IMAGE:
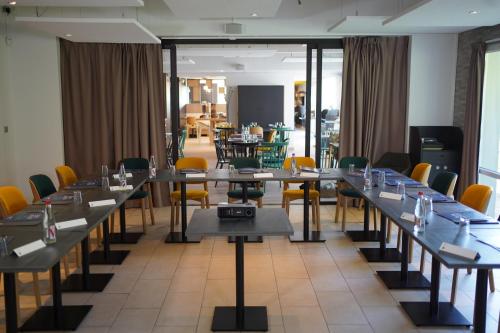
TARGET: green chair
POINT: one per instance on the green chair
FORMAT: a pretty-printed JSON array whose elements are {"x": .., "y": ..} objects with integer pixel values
[
  {"x": 273, "y": 154},
  {"x": 445, "y": 182},
  {"x": 182, "y": 142},
  {"x": 253, "y": 192},
  {"x": 139, "y": 163},
  {"x": 41, "y": 186},
  {"x": 399, "y": 162}
]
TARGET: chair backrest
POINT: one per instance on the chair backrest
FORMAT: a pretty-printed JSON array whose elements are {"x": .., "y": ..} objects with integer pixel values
[
  {"x": 135, "y": 163},
  {"x": 257, "y": 130},
  {"x": 182, "y": 139},
  {"x": 65, "y": 175},
  {"x": 421, "y": 173},
  {"x": 191, "y": 163},
  {"x": 477, "y": 197},
  {"x": 245, "y": 162},
  {"x": 191, "y": 120},
  {"x": 41, "y": 186},
  {"x": 270, "y": 136},
  {"x": 12, "y": 200},
  {"x": 399, "y": 162},
  {"x": 301, "y": 161},
  {"x": 445, "y": 182},
  {"x": 358, "y": 161}
]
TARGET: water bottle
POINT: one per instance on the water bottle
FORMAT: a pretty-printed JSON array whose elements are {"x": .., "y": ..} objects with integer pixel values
[
  {"x": 122, "y": 176},
  {"x": 294, "y": 165},
  {"x": 420, "y": 213},
  {"x": 49, "y": 224},
  {"x": 368, "y": 181},
  {"x": 152, "y": 167}
]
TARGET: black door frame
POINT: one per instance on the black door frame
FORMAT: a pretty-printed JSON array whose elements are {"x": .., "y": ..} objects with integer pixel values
[{"x": 312, "y": 43}]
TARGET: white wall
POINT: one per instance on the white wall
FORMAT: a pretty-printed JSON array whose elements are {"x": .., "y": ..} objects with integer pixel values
[
  {"x": 31, "y": 108},
  {"x": 433, "y": 60}
]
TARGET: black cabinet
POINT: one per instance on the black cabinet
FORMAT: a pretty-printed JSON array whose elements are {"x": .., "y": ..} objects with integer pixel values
[{"x": 440, "y": 146}]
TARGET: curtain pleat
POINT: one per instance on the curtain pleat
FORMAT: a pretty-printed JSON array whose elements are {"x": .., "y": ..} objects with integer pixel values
[{"x": 113, "y": 100}]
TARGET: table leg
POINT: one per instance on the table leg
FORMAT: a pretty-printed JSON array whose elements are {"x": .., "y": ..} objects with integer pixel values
[
  {"x": 9, "y": 287},
  {"x": 306, "y": 236},
  {"x": 434, "y": 313},
  {"x": 86, "y": 282},
  {"x": 106, "y": 256},
  {"x": 480, "y": 301},
  {"x": 382, "y": 254},
  {"x": 124, "y": 237},
  {"x": 366, "y": 235},
  {"x": 180, "y": 237},
  {"x": 240, "y": 317},
  {"x": 404, "y": 279},
  {"x": 244, "y": 198},
  {"x": 56, "y": 317}
]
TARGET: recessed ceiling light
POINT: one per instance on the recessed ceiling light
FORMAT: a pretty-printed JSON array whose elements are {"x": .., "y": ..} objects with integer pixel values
[
  {"x": 68, "y": 35},
  {"x": 474, "y": 12},
  {"x": 12, "y": 3},
  {"x": 255, "y": 14}
]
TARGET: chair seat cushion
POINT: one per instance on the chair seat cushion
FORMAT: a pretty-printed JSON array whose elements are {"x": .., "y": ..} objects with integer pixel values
[
  {"x": 139, "y": 195},
  {"x": 299, "y": 194},
  {"x": 349, "y": 192},
  {"x": 190, "y": 194},
  {"x": 252, "y": 194}
]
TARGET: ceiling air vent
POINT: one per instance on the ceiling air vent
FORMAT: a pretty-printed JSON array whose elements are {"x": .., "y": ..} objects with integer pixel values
[{"x": 233, "y": 28}]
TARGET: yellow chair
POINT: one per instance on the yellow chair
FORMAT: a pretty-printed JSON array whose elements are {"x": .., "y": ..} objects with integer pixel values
[
  {"x": 421, "y": 173},
  {"x": 66, "y": 176},
  {"x": 298, "y": 194},
  {"x": 12, "y": 200},
  {"x": 200, "y": 195}
]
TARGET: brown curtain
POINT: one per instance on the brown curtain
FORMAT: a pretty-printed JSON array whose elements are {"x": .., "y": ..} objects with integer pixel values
[
  {"x": 113, "y": 101},
  {"x": 472, "y": 121},
  {"x": 374, "y": 96}
]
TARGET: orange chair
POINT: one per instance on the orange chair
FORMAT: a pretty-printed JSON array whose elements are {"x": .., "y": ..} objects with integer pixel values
[
  {"x": 66, "y": 176},
  {"x": 200, "y": 195},
  {"x": 298, "y": 194},
  {"x": 421, "y": 173}
]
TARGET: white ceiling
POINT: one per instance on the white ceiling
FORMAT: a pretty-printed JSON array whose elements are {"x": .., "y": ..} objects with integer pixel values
[
  {"x": 79, "y": 3},
  {"x": 92, "y": 30},
  {"x": 223, "y": 8}
]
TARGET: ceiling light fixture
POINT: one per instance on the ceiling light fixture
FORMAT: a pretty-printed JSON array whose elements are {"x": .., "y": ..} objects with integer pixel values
[
  {"x": 68, "y": 35},
  {"x": 12, "y": 3},
  {"x": 474, "y": 12},
  {"x": 255, "y": 14}
]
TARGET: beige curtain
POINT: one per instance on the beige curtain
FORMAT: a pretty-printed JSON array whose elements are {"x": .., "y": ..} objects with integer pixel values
[
  {"x": 113, "y": 101},
  {"x": 472, "y": 121},
  {"x": 374, "y": 96}
]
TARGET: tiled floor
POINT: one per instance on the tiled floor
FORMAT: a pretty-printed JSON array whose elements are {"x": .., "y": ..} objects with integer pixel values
[{"x": 306, "y": 287}]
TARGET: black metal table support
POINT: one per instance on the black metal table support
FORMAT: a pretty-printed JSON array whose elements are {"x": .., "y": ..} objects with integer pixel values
[
  {"x": 106, "y": 256},
  {"x": 244, "y": 198},
  {"x": 382, "y": 254},
  {"x": 404, "y": 279},
  {"x": 86, "y": 282},
  {"x": 434, "y": 313},
  {"x": 180, "y": 237},
  {"x": 306, "y": 236},
  {"x": 240, "y": 317},
  {"x": 124, "y": 237},
  {"x": 365, "y": 235},
  {"x": 56, "y": 317},
  {"x": 9, "y": 287},
  {"x": 480, "y": 301}
]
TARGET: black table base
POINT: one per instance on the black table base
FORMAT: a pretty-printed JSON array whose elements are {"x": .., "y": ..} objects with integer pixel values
[
  {"x": 414, "y": 280},
  {"x": 128, "y": 238},
  {"x": 110, "y": 258},
  {"x": 363, "y": 236},
  {"x": 377, "y": 255},
  {"x": 43, "y": 319},
  {"x": 310, "y": 237},
  {"x": 177, "y": 237},
  {"x": 448, "y": 315},
  {"x": 255, "y": 319},
  {"x": 248, "y": 239},
  {"x": 95, "y": 283}
]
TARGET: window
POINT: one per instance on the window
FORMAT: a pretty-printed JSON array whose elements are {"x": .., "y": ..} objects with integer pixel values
[{"x": 489, "y": 148}]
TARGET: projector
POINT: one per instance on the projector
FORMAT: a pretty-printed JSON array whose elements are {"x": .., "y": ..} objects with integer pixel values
[{"x": 236, "y": 211}]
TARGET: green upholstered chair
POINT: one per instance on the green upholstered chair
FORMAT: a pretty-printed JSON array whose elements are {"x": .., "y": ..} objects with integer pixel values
[
  {"x": 399, "y": 162},
  {"x": 41, "y": 186},
  {"x": 182, "y": 142},
  {"x": 254, "y": 192},
  {"x": 445, "y": 182},
  {"x": 273, "y": 154},
  {"x": 139, "y": 163}
]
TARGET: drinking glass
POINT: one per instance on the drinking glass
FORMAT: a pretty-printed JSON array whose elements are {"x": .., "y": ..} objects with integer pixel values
[
  {"x": 351, "y": 168},
  {"x": 231, "y": 169},
  {"x": 77, "y": 197},
  {"x": 381, "y": 178},
  {"x": 401, "y": 189},
  {"x": 428, "y": 207},
  {"x": 105, "y": 183},
  {"x": 3, "y": 246},
  {"x": 104, "y": 170},
  {"x": 464, "y": 224}
]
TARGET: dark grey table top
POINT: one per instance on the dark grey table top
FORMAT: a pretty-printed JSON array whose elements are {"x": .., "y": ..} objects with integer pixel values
[
  {"x": 268, "y": 222},
  {"x": 438, "y": 230},
  {"x": 43, "y": 259}
]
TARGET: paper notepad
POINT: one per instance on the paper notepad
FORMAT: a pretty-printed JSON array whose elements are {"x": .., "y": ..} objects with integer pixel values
[
  {"x": 309, "y": 175},
  {"x": 195, "y": 175},
  {"x": 71, "y": 224},
  {"x": 263, "y": 175},
  {"x": 408, "y": 217},
  {"x": 128, "y": 175},
  {"x": 459, "y": 251},
  {"x": 100, "y": 203},
  {"x": 389, "y": 195},
  {"x": 121, "y": 188},
  {"x": 29, "y": 248}
]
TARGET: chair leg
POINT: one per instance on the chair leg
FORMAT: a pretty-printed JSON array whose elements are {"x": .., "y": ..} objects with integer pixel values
[
  {"x": 375, "y": 227},
  {"x": 454, "y": 286},
  {"x": 314, "y": 218},
  {"x": 259, "y": 203},
  {"x": 143, "y": 213},
  {"x": 18, "y": 298},
  {"x": 491, "y": 278},
  {"x": 172, "y": 209},
  {"x": 113, "y": 222},
  {"x": 177, "y": 211},
  {"x": 150, "y": 203},
  {"x": 400, "y": 234},
  {"x": 65, "y": 266},
  {"x": 78, "y": 256},
  {"x": 99, "y": 236},
  {"x": 337, "y": 208},
  {"x": 410, "y": 252},
  {"x": 36, "y": 290},
  {"x": 287, "y": 206},
  {"x": 422, "y": 261},
  {"x": 344, "y": 209},
  {"x": 318, "y": 215},
  {"x": 389, "y": 231}
]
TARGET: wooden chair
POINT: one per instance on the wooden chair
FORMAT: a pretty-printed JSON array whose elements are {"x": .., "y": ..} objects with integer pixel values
[{"x": 192, "y": 124}]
